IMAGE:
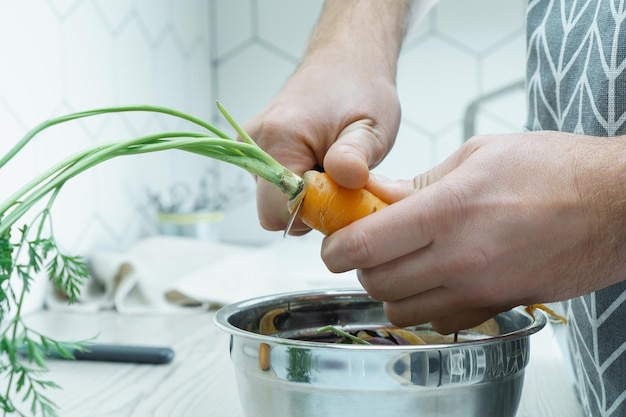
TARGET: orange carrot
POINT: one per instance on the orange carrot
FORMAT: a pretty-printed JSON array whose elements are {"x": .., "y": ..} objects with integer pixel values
[{"x": 328, "y": 207}]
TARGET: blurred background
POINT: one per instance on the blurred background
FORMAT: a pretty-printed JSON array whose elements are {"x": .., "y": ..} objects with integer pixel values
[{"x": 461, "y": 72}]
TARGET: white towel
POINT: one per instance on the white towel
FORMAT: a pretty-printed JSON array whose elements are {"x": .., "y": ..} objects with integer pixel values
[{"x": 178, "y": 275}]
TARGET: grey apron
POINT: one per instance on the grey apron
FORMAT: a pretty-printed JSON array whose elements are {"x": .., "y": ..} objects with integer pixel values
[{"x": 576, "y": 83}]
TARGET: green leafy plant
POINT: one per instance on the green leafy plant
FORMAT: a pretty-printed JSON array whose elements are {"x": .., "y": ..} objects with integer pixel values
[{"x": 30, "y": 249}]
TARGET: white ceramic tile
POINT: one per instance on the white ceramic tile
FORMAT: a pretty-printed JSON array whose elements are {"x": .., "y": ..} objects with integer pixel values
[
  {"x": 504, "y": 65},
  {"x": 412, "y": 154},
  {"x": 63, "y": 7},
  {"x": 190, "y": 21},
  {"x": 12, "y": 127},
  {"x": 287, "y": 24},
  {"x": 30, "y": 75},
  {"x": 21, "y": 168},
  {"x": 170, "y": 75},
  {"x": 114, "y": 13},
  {"x": 87, "y": 57},
  {"x": 132, "y": 66},
  {"x": 510, "y": 109},
  {"x": 488, "y": 123},
  {"x": 85, "y": 54},
  {"x": 436, "y": 82},
  {"x": 155, "y": 16},
  {"x": 246, "y": 89},
  {"x": 201, "y": 102},
  {"x": 419, "y": 30},
  {"x": 232, "y": 20},
  {"x": 480, "y": 24},
  {"x": 447, "y": 142},
  {"x": 17, "y": 172},
  {"x": 73, "y": 209},
  {"x": 115, "y": 191}
]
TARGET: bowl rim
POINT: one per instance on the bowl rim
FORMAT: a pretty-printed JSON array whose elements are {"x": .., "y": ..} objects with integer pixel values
[{"x": 221, "y": 320}]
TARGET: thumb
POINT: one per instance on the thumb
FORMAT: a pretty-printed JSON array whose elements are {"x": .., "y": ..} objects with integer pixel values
[{"x": 358, "y": 148}]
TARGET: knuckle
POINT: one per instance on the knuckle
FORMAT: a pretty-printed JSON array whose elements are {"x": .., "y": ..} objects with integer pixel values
[
  {"x": 347, "y": 252},
  {"x": 359, "y": 250},
  {"x": 474, "y": 262},
  {"x": 398, "y": 316},
  {"x": 372, "y": 284}
]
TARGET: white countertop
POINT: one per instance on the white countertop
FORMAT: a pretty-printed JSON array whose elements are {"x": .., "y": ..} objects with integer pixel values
[{"x": 200, "y": 381}]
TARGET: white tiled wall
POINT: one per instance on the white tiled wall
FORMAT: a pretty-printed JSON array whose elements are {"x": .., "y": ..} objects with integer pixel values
[{"x": 60, "y": 56}]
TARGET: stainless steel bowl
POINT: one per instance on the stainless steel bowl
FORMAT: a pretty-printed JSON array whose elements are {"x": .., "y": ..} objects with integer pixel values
[{"x": 279, "y": 376}]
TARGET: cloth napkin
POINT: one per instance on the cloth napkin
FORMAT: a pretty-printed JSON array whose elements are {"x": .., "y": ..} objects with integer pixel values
[{"x": 163, "y": 274}]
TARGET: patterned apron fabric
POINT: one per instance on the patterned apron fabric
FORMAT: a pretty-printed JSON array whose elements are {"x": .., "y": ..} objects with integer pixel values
[{"x": 576, "y": 82}]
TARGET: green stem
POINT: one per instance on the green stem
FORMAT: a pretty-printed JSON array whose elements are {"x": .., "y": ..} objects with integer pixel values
[
  {"x": 122, "y": 109},
  {"x": 341, "y": 333},
  {"x": 14, "y": 199},
  {"x": 242, "y": 133},
  {"x": 249, "y": 157},
  {"x": 17, "y": 319},
  {"x": 66, "y": 170}
]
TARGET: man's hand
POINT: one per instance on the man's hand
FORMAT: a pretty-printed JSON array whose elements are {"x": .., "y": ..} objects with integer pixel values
[
  {"x": 505, "y": 221},
  {"x": 340, "y": 109}
]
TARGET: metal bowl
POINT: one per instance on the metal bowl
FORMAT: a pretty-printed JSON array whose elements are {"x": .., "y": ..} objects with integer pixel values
[{"x": 278, "y": 375}]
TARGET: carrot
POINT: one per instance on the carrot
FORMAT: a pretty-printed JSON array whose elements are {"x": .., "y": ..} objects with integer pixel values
[
  {"x": 557, "y": 318},
  {"x": 327, "y": 207}
]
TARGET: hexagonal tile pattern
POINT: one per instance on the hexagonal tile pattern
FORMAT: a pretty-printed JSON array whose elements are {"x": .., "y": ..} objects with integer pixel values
[
  {"x": 156, "y": 15},
  {"x": 278, "y": 18},
  {"x": 190, "y": 24},
  {"x": 170, "y": 74},
  {"x": 419, "y": 31},
  {"x": 133, "y": 75},
  {"x": 479, "y": 25},
  {"x": 77, "y": 54},
  {"x": 31, "y": 73},
  {"x": 436, "y": 81},
  {"x": 87, "y": 59},
  {"x": 446, "y": 142},
  {"x": 411, "y": 154},
  {"x": 73, "y": 209},
  {"x": 240, "y": 87},
  {"x": 504, "y": 65},
  {"x": 62, "y": 8},
  {"x": 509, "y": 109},
  {"x": 231, "y": 23},
  {"x": 114, "y": 14}
]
